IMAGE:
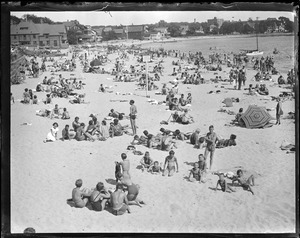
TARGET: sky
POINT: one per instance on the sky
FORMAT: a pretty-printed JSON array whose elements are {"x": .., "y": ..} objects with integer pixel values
[{"x": 97, "y": 18}]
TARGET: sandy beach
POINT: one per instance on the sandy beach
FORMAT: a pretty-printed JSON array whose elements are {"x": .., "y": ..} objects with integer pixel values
[{"x": 47, "y": 171}]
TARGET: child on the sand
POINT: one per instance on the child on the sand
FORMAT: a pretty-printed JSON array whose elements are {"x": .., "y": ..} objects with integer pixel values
[
  {"x": 146, "y": 161},
  {"x": 245, "y": 182},
  {"x": 65, "y": 114},
  {"x": 156, "y": 168},
  {"x": 195, "y": 173},
  {"x": 223, "y": 184},
  {"x": 34, "y": 100},
  {"x": 48, "y": 99}
]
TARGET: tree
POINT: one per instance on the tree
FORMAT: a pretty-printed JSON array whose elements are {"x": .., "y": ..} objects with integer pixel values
[
  {"x": 72, "y": 37},
  {"x": 162, "y": 23},
  {"x": 15, "y": 19},
  {"x": 174, "y": 30},
  {"x": 37, "y": 20}
]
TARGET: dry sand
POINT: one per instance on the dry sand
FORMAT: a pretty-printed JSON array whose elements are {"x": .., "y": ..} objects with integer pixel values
[{"x": 43, "y": 174}]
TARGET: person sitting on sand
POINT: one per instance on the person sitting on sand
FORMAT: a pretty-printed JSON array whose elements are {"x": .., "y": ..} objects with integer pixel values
[
  {"x": 55, "y": 112},
  {"x": 246, "y": 182},
  {"x": 164, "y": 90},
  {"x": 169, "y": 166},
  {"x": 195, "y": 173},
  {"x": 182, "y": 101},
  {"x": 146, "y": 161},
  {"x": 52, "y": 135},
  {"x": 189, "y": 99},
  {"x": 39, "y": 88},
  {"x": 263, "y": 90},
  {"x": 186, "y": 118},
  {"x": 91, "y": 129},
  {"x": 79, "y": 196},
  {"x": 81, "y": 135},
  {"x": 99, "y": 197},
  {"x": 194, "y": 138},
  {"x": 116, "y": 128},
  {"x": 102, "y": 89},
  {"x": 155, "y": 168},
  {"x": 65, "y": 133},
  {"x": 76, "y": 124},
  {"x": 65, "y": 114},
  {"x": 133, "y": 191},
  {"x": 119, "y": 201},
  {"x": 104, "y": 130},
  {"x": 48, "y": 99},
  {"x": 34, "y": 100},
  {"x": 26, "y": 97},
  {"x": 223, "y": 184}
]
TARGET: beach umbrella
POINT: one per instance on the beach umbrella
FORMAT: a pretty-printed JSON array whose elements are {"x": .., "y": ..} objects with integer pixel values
[
  {"x": 256, "y": 117},
  {"x": 228, "y": 102},
  {"x": 95, "y": 62}
]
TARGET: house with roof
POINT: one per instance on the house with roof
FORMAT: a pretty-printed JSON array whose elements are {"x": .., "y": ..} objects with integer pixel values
[
  {"x": 71, "y": 25},
  {"x": 39, "y": 35},
  {"x": 135, "y": 32},
  {"x": 119, "y": 33}
]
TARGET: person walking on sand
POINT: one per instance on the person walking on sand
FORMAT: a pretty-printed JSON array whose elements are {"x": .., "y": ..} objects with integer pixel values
[
  {"x": 132, "y": 115},
  {"x": 279, "y": 111},
  {"x": 170, "y": 162},
  {"x": 211, "y": 139}
]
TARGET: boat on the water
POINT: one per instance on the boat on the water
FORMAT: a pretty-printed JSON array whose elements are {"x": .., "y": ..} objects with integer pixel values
[{"x": 254, "y": 52}]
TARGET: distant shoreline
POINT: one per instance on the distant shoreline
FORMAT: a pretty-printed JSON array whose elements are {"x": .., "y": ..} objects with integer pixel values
[{"x": 179, "y": 39}]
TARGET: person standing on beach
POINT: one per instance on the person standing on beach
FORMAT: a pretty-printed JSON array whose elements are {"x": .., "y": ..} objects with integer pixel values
[
  {"x": 132, "y": 115},
  {"x": 240, "y": 78},
  {"x": 170, "y": 162},
  {"x": 279, "y": 111},
  {"x": 211, "y": 139}
]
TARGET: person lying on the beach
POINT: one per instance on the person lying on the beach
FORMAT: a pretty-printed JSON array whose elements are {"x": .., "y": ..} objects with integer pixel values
[
  {"x": 245, "y": 182},
  {"x": 116, "y": 114},
  {"x": 223, "y": 184},
  {"x": 167, "y": 143},
  {"x": 139, "y": 140},
  {"x": 80, "y": 196},
  {"x": 155, "y": 168},
  {"x": 119, "y": 201},
  {"x": 146, "y": 161},
  {"x": 226, "y": 142},
  {"x": 99, "y": 197},
  {"x": 177, "y": 134}
]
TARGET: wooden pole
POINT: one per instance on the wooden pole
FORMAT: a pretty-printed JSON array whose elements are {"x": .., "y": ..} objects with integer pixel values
[{"x": 146, "y": 78}]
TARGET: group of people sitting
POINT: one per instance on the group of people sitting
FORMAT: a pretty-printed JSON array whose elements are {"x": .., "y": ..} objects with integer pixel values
[{"x": 258, "y": 89}]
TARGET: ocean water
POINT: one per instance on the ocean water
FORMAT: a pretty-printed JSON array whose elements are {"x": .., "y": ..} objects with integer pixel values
[{"x": 284, "y": 60}]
